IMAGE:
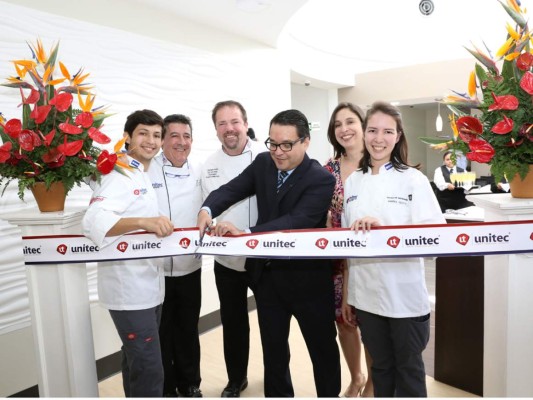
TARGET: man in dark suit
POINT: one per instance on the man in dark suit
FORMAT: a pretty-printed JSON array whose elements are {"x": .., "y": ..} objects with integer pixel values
[{"x": 293, "y": 192}]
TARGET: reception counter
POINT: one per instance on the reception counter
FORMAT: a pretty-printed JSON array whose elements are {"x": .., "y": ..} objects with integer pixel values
[{"x": 459, "y": 314}]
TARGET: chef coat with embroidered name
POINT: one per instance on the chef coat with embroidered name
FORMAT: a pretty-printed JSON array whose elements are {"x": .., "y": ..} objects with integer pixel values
[
  {"x": 390, "y": 287},
  {"x": 136, "y": 284},
  {"x": 179, "y": 194},
  {"x": 219, "y": 169}
]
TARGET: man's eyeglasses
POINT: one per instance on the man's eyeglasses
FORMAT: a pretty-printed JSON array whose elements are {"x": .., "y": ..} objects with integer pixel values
[{"x": 284, "y": 146}]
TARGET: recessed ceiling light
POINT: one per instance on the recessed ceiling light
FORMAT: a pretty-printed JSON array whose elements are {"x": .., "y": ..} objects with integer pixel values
[{"x": 252, "y": 5}]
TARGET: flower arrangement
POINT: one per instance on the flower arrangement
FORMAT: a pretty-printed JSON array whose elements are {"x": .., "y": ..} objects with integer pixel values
[
  {"x": 501, "y": 132},
  {"x": 53, "y": 141}
]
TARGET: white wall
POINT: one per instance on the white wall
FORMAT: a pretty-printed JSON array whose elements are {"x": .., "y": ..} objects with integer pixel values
[
  {"x": 317, "y": 105},
  {"x": 188, "y": 73}
]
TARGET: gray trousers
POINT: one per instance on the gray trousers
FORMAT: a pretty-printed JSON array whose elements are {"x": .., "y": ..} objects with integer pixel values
[
  {"x": 142, "y": 367},
  {"x": 396, "y": 345}
]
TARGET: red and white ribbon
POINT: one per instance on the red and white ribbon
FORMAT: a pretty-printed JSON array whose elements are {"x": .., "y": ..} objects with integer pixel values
[{"x": 394, "y": 241}]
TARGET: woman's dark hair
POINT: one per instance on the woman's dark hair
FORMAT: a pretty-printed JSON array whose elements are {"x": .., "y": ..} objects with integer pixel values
[
  {"x": 399, "y": 156},
  {"x": 338, "y": 149}
]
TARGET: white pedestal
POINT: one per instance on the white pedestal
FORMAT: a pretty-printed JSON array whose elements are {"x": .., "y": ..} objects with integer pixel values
[
  {"x": 60, "y": 313},
  {"x": 508, "y": 326}
]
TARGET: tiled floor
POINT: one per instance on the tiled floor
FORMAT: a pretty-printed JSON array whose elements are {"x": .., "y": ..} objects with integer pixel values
[{"x": 214, "y": 373}]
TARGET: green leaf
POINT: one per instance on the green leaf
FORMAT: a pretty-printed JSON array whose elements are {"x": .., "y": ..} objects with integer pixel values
[
  {"x": 518, "y": 18},
  {"x": 53, "y": 56}
]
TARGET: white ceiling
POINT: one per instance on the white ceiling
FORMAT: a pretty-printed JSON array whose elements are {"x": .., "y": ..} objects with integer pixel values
[{"x": 328, "y": 41}]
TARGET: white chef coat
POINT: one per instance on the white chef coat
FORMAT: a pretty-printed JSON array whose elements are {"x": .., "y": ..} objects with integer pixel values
[
  {"x": 391, "y": 287},
  {"x": 218, "y": 170},
  {"x": 130, "y": 284},
  {"x": 179, "y": 194}
]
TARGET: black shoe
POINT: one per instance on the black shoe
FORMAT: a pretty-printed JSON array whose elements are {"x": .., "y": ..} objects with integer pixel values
[
  {"x": 191, "y": 391},
  {"x": 234, "y": 389},
  {"x": 170, "y": 393}
]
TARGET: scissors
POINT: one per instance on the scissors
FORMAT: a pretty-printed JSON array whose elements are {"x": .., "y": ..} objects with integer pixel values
[{"x": 201, "y": 241}]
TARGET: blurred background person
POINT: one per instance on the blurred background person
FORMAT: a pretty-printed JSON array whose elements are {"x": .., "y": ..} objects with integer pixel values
[{"x": 448, "y": 196}]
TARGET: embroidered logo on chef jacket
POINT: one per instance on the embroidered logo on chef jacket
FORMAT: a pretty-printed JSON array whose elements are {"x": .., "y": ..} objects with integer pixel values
[
  {"x": 157, "y": 185},
  {"x": 212, "y": 173},
  {"x": 398, "y": 200},
  {"x": 97, "y": 198},
  {"x": 351, "y": 198},
  {"x": 134, "y": 163},
  {"x": 141, "y": 191}
]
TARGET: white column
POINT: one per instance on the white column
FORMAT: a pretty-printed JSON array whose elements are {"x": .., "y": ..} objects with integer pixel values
[
  {"x": 60, "y": 312},
  {"x": 508, "y": 326}
]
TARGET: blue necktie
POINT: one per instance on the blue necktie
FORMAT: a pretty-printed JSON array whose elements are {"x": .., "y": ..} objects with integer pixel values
[{"x": 281, "y": 178}]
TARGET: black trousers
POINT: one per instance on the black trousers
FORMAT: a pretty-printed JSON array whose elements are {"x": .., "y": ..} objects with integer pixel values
[
  {"x": 180, "y": 342},
  {"x": 142, "y": 368},
  {"x": 276, "y": 305},
  {"x": 232, "y": 289},
  {"x": 396, "y": 346}
]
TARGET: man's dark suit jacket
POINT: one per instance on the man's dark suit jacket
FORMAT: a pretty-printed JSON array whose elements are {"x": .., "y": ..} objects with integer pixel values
[{"x": 302, "y": 202}]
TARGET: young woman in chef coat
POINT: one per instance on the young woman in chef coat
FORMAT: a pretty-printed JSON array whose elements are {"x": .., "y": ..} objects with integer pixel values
[{"x": 389, "y": 294}]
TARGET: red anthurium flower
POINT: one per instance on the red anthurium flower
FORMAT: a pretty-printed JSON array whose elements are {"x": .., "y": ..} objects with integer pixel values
[
  {"x": 32, "y": 98},
  {"x": 62, "y": 101},
  {"x": 52, "y": 156},
  {"x": 48, "y": 138},
  {"x": 85, "y": 119},
  {"x": 508, "y": 102},
  {"x": 480, "y": 151},
  {"x": 59, "y": 163},
  {"x": 514, "y": 143},
  {"x": 504, "y": 126},
  {"x": 524, "y": 61},
  {"x": 84, "y": 156},
  {"x": 98, "y": 136},
  {"x": 28, "y": 140},
  {"x": 469, "y": 128},
  {"x": 71, "y": 148},
  {"x": 526, "y": 132},
  {"x": 13, "y": 127},
  {"x": 39, "y": 113},
  {"x": 106, "y": 162},
  {"x": 526, "y": 83},
  {"x": 70, "y": 129},
  {"x": 5, "y": 152}
]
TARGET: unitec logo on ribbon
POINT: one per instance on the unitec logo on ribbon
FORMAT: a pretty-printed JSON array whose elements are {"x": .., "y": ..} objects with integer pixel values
[
  {"x": 322, "y": 243},
  {"x": 462, "y": 239},
  {"x": 122, "y": 246},
  {"x": 393, "y": 241},
  {"x": 252, "y": 243},
  {"x": 62, "y": 249},
  {"x": 185, "y": 242}
]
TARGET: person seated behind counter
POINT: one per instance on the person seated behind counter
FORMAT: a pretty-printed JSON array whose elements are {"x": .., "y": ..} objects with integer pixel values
[{"x": 449, "y": 196}]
